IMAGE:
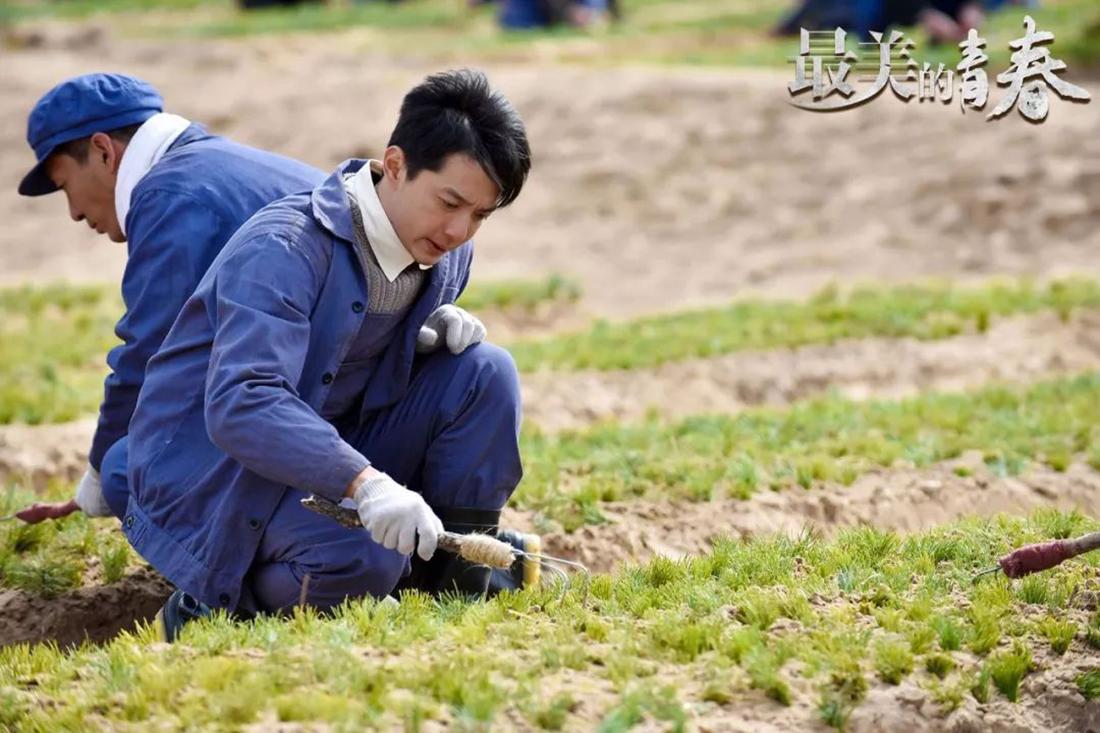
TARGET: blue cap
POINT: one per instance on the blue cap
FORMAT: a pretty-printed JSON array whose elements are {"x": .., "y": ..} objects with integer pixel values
[{"x": 79, "y": 108}]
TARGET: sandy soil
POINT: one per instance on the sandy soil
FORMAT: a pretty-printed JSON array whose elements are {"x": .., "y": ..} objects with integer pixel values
[
  {"x": 902, "y": 499},
  {"x": 38, "y": 453},
  {"x": 657, "y": 188},
  {"x": 1012, "y": 350}
]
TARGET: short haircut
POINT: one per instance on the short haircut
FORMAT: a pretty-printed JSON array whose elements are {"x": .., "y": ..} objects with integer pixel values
[
  {"x": 457, "y": 112},
  {"x": 78, "y": 149}
]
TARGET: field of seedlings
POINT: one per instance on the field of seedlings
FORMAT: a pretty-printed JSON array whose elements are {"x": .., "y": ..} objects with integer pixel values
[{"x": 790, "y": 381}]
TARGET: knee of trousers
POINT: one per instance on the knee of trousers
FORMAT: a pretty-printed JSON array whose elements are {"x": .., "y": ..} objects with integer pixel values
[
  {"x": 493, "y": 371},
  {"x": 376, "y": 576},
  {"x": 113, "y": 477}
]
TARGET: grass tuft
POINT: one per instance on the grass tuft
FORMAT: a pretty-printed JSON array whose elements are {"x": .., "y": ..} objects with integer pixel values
[
  {"x": 939, "y": 664},
  {"x": 1059, "y": 633},
  {"x": 893, "y": 660},
  {"x": 1008, "y": 669},
  {"x": 1089, "y": 684}
]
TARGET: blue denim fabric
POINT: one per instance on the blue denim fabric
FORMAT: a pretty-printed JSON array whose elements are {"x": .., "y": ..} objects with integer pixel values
[
  {"x": 454, "y": 438},
  {"x": 181, "y": 214},
  {"x": 229, "y": 418}
]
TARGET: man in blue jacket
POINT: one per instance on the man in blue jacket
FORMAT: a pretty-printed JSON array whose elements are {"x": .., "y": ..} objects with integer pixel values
[
  {"x": 169, "y": 189},
  {"x": 294, "y": 369}
]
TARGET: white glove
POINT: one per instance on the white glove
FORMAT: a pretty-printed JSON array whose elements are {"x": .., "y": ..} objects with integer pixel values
[
  {"x": 89, "y": 495},
  {"x": 450, "y": 323},
  {"x": 394, "y": 516}
]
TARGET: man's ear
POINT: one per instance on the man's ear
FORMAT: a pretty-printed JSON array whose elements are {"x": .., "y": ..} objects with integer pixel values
[
  {"x": 393, "y": 164},
  {"x": 105, "y": 151}
]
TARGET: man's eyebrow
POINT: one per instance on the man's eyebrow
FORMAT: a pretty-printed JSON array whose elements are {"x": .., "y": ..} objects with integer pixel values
[{"x": 461, "y": 200}]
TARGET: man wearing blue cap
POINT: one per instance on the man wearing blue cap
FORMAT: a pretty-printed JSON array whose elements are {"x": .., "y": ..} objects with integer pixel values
[{"x": 169, "y": 189}]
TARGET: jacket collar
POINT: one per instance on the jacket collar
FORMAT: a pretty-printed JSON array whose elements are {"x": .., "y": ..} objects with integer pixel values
[
  {"x": 331, "y": 207},
  {"x": 192, "y": 134},
  {"x": 153, "y": 139}
]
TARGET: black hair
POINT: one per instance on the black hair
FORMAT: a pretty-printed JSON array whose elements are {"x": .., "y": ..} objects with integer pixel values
[
  {"x": 457, "y": 112},
  {"x": 78, "y": 149}
]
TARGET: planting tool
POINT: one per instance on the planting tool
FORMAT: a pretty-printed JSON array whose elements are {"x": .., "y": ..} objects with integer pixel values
[
  {"x": 41, "y": 511},
  {"x": 479, "y": 549},
  {"x": 1042, "y": 556}
]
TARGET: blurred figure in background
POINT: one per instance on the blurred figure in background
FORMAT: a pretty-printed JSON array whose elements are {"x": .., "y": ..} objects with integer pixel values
[
  {"x": 527, "y": 14},
  {"x": 945, "y": 21},
  {"x": 253, "y": 4}
]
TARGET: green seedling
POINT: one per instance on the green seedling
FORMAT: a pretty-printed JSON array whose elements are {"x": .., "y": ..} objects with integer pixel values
[
  {"x": 1008, "y": 669},
  {"x": 1089, "y": 684},
  {"x": 647, "y": 628},
  {"x": 949, "y": 631},
  {"x": 1059, "y": 633},
  {"x": 939, "y": 664},
  {"x": 42, "y": 576},
  {"x": 660, "y": 461},
  {"x": 893, "y": 660}
]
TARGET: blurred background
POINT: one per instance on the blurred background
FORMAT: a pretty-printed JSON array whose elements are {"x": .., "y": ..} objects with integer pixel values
[{"x": 670, "y": 171}]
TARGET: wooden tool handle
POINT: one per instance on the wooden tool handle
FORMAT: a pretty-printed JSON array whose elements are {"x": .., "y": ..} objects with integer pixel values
[{"x": 348, "y": 517}]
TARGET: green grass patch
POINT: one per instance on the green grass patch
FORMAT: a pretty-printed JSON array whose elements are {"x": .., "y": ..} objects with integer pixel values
[
  {"x": 830, "y": 439},
  {"x": 893, "y": 660},
  {"x": 520, "y": 294},
  {"x": 54, "y": 339},
  {"x": 933, "y": 311},
  {"x": 53, "y": 346},
  {"x": 53, "y": 557},
  {"x": 479, "y": 665}
]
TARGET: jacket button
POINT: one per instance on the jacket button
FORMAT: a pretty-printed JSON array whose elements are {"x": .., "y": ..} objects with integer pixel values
[
  {"x": 253, "y": 523},
  {"x": 224, "y": 599},
  {"x": 326, "y": 378},
  {"x": 357, "y": 307},
  {"x": 130, "y": 521}
]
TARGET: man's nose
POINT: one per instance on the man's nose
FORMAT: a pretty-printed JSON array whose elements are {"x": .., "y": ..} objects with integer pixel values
[
  {"x": 457, "y": 228},
  {"x": 75, "y": 213}
]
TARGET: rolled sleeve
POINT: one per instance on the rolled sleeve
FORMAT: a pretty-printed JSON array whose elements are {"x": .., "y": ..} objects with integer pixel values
[
  {"x": 171, "y": 244},
  {"x": 265, "y": 292}
]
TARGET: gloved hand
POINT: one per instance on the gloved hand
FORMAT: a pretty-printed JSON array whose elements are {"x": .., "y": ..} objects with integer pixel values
[
  {"x": 394, "y": 516},
  {"x": 452, "y": 324},
  {"x": 89, "y": 495}
]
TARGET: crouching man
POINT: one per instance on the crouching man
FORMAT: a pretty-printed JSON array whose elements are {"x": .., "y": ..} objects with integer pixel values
[
  {"x": 175, "y": 194},
  {"x": 322, "y": 353}
]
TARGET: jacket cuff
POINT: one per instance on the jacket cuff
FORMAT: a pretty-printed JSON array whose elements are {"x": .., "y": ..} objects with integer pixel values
[
  {"x": 338, "y": 472},
  {"x": 101, "y": 443}
]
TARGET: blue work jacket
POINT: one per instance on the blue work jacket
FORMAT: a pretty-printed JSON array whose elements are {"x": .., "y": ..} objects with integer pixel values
[
  {"x": 229, "y": 418},
  {"x": 183, "y": 211}
]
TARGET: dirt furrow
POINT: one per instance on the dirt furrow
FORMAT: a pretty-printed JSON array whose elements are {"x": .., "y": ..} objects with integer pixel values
[
  {"x": 1014, "y": 349},
  {"x": 900, "y": 499},
  {"x": 95, "y": 613}
]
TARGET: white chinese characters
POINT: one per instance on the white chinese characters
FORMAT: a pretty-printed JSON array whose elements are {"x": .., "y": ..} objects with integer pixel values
[{"x": 1032, "y": 72}]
